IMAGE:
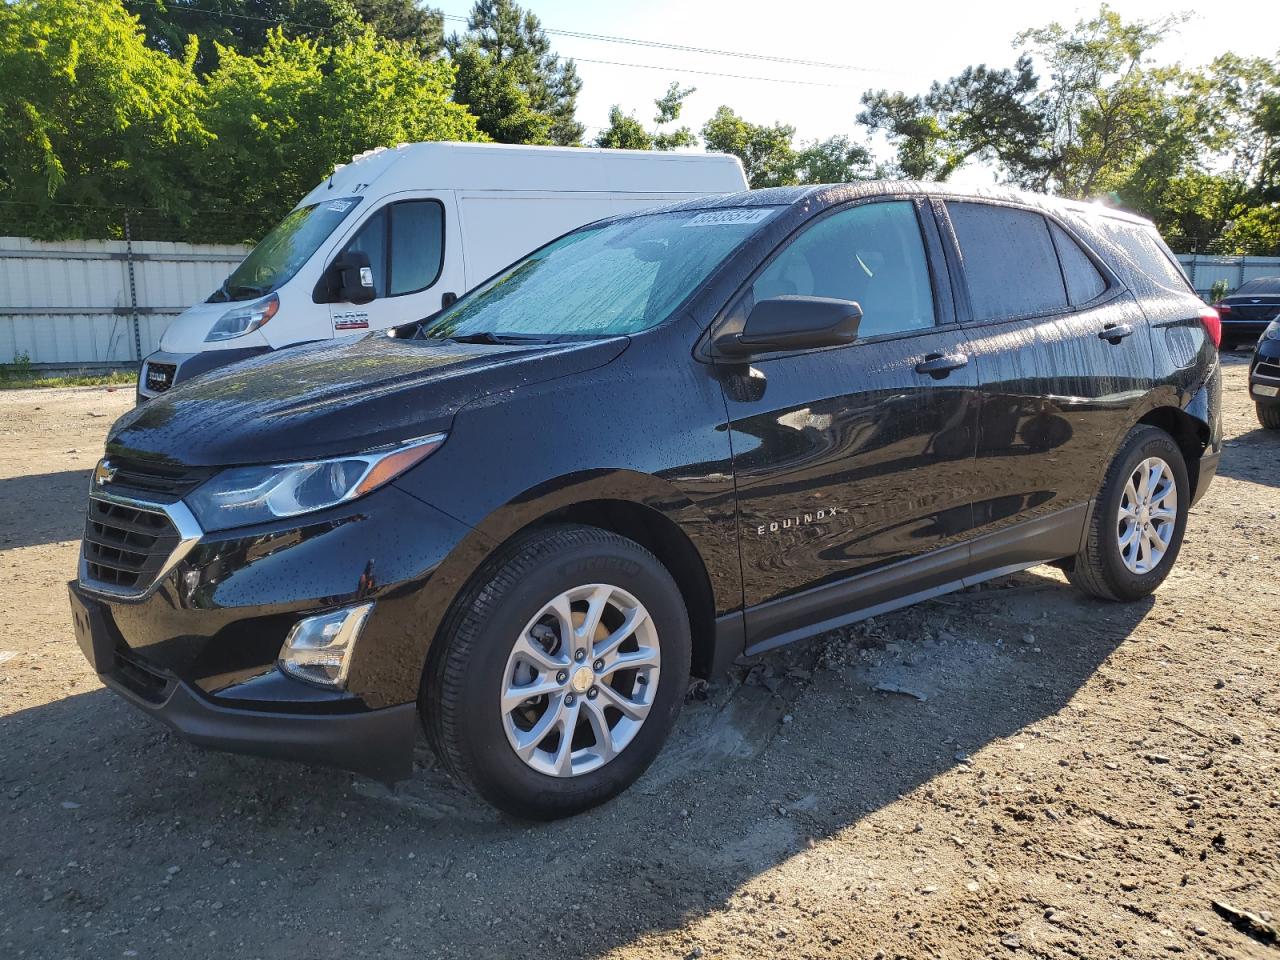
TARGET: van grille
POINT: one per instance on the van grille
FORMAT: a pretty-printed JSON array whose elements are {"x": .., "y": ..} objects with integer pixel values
[{"x": 126, "y": 547}]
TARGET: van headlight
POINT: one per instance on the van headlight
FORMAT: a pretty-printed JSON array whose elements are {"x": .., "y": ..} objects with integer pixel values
[
  {"x": 241, "y": 496},
  {"x": 247, "y": 318}
]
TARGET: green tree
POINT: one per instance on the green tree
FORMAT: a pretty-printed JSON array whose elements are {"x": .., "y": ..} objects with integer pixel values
[
  {"x": 90, "y": 114},
  {"x": 982, "y": 113},
  {"x": 405, "y": 20},
  {"x": 627, "y": 133},
  {"x": 241, "y": 25},
  {"x": 283, "y": 118},
  {"x": 518, "y": 89},
  {"x": 768, "y": 157},
  {"x": 835, "y": 160}
]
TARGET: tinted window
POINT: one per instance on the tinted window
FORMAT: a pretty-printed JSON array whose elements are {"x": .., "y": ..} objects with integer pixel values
[
  {"x": 1084, "y": 282},
  {"x": 872, "y": 254},
  {"x": 372, "y": 240},
  {"x": 417, "y": 245},
  {"x": 1009, "y": 261},
  {"x": 1263, "y": 286},
  {"x": 1147, "y": 253}
]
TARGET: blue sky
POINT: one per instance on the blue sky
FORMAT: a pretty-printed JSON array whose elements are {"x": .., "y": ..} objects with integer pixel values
[{"x": 884, "y": 47}]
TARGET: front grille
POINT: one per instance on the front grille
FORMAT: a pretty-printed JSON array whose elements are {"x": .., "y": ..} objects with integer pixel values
[
  {"x": 1268, "y": 368},
  {"x": 154, "y": 481},
  {"x": 126, "y": 547},
  {"x": 160, "y": 376}
]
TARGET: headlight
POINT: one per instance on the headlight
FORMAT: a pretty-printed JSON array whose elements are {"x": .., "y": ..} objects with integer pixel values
[
  {"x": 245, "y": 495},
  {"x": 238, "y": 321},
  {"x": 1273, "y": 331}
]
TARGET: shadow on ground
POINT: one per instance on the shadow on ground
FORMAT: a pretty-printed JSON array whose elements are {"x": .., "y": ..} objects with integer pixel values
[
  {"x": 34, "y": 509},
  {"x": 119, "y": 836}
]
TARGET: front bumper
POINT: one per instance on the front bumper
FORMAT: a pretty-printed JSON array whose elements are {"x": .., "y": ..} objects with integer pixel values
[
  {"x": 161, "y": 371},
  {"x": 198, "y": 648},
  {"x": 1264, "y": 373}
]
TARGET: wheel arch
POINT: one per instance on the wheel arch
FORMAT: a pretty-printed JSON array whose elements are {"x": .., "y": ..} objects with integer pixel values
[{"x": 1191, "y": 434}]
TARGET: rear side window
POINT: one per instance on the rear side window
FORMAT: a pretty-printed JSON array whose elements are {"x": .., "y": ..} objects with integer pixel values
[
  {"x": 1009, "y": 261},
  {"x": 872, "y": 254},
  {"x": 1263, "y": 286},
  {"x": 1147, "y": 251},
  {"x": 1084, "y": 282},
  {"x": 405, "y": 244}
]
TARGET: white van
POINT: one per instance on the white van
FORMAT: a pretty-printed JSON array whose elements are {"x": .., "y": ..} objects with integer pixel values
[{"x": 398, "y": 233}]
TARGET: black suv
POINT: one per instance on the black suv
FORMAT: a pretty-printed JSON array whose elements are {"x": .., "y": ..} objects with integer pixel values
[
  {"x": 654, "y": 444},
  {"x": 1264, "y": 375}
]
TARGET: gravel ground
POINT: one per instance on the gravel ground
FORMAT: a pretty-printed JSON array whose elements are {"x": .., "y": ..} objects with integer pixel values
[{"x": 1060, "y": 778}]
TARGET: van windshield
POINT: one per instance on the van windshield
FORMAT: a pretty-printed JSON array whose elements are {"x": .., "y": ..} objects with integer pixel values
[
  {"x": 619, "y": 278},
  {"x": 283, "y": 251}
]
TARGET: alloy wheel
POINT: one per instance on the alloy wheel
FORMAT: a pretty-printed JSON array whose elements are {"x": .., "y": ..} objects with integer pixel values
[{"x": 1147, "y": 515}]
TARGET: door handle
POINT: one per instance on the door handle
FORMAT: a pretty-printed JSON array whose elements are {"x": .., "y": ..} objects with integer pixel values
[
  {"x": 1113, "y": 333},
  {"x": 940, "y": 365}
]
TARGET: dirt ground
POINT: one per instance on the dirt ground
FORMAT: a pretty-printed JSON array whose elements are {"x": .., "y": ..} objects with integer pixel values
[{"x": 1076, "y": 779}]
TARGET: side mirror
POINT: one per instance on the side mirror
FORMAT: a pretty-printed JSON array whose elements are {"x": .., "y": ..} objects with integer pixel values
[
  {"x": 793, "y": 323},
  {"x": 351, "y": 278}
]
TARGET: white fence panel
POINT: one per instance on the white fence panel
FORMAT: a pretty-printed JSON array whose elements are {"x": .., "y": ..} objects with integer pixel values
[
  {"x": 1206, "y": 270},
  {"x": 70, "y": 302}
]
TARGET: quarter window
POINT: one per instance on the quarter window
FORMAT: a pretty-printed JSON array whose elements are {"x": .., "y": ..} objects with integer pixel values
[
  {"x": 872, "y": 254},
  {"x": 1009, "y": 261},
  {"x": 405, "y": 244},
  {"x": 1084, "y": 282}
]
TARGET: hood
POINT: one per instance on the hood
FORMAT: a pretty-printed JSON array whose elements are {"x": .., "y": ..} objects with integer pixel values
[
  {"x": 334, "y": 398},
  {"x": 186, "y": 333}
]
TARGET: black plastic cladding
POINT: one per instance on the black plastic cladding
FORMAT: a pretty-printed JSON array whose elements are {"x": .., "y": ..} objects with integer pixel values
[{"x": 844, "y": 473}]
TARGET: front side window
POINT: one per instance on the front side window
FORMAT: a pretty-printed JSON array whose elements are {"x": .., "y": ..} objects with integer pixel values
[
  {"x": 283, "y": 251},
  {"x": 1009, "y": 261},
  {"x": 405, "y": 245},
  {"x": 872, "y": 254},
  {"x": 620, "y": 278}
]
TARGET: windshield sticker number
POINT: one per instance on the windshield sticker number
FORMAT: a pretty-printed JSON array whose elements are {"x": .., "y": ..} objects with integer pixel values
[
  {"x": 339, "y": 206},
  {"x": 722, "y": 218}
]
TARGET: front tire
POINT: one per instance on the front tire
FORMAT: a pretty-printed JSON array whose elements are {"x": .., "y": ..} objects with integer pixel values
[
  {"x": 562, "y": 671},
  {"x": 1269, "y": 415},
  {"x": 1138, "y": 520}
]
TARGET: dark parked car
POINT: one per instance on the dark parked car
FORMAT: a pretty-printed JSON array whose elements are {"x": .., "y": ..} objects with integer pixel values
[
  {"x": 654, "y": 444},
  {"x": 1246, "y": 313},
  {"x": 1264, "y": 376}
]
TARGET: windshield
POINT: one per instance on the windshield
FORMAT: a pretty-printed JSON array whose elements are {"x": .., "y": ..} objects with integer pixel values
[
  {"x": 620, "y": 278},
  {"x": 284, "y": 250}
]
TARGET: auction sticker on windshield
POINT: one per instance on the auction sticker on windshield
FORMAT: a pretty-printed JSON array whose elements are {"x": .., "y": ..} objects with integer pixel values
[{"x": 718, "y": 218}]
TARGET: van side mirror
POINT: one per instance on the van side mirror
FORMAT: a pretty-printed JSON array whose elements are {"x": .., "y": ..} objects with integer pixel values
[
  {"x": 350, "y": 278},
  {"x": 793, "y": 323}
]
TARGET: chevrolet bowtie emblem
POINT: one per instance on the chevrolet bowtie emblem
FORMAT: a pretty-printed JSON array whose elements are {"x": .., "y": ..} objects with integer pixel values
[{"x": 104, "y": 473}]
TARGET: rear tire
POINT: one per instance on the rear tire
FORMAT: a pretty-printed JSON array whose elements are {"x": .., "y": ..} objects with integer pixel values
[
  {"x": 521, "y": 624},
  {"x": 1269, "y": 415},
  {"x": 1119, "y": 561}
]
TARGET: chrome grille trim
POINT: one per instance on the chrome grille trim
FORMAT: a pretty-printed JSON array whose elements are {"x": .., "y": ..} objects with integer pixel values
[{"x": 183, "y": 521}]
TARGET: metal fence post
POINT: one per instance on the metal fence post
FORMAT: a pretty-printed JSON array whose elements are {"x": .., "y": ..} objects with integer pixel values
[{"x": 133, "y": 290}]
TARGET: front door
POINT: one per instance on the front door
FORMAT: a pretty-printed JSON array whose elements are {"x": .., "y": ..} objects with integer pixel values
[
  {"x": 406, "y": 241},
  {"x": 851, "y": 460}
]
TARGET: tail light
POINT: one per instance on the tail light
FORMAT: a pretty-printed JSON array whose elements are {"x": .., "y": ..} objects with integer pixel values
[
  {"x": 1222, "y": 308},
  {"x": 1212, "y": 324}
]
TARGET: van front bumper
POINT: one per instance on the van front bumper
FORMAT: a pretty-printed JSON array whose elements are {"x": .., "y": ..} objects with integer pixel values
[{"x": 161, "y": 370}]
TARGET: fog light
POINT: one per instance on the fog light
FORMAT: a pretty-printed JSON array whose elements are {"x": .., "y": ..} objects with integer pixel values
[{"x": 318, "y": 649}]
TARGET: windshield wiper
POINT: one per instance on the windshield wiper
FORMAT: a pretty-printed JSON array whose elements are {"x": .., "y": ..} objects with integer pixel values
[
  {"x": 488, "y": 336},
  {"x": 250, "y": 288}
]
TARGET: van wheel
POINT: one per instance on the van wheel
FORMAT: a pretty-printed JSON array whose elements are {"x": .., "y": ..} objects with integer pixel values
[
  {"x": 1269, "y": 415},
  {"x": 1138, "y": 520},
  {"x": 563, "y": 670}
]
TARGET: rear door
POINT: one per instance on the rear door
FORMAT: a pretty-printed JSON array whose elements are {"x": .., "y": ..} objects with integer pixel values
[
  {"x": 1062, "y": 353},
  {"x": 411, "y": 242},
  {"x": 851, "y": 459}
]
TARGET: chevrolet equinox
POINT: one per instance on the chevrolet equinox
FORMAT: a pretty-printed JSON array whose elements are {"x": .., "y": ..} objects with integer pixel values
[{"x": 657, "y": 443}]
